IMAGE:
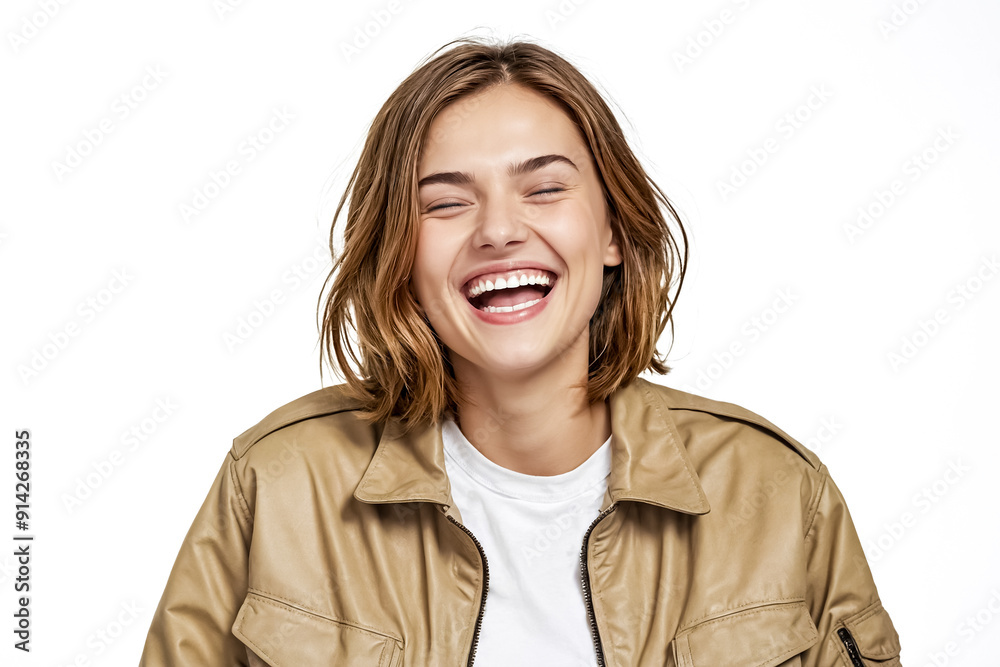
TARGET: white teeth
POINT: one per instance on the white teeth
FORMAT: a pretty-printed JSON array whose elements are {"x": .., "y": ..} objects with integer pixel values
[
  {"x": 526, "y": 304},
  {"x": 511, "y": 281},
  {"x": 510, "y": 309}
]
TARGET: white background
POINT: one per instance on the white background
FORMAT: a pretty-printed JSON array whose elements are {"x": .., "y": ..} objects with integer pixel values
[{"x": 893, "y": 75}]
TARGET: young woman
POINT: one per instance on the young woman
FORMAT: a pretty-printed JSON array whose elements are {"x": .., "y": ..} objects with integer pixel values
[{"x": 494, "y": 484}]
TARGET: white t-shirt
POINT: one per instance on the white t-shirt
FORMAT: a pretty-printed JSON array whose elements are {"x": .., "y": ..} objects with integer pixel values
[{"x": 531, "y": 529}]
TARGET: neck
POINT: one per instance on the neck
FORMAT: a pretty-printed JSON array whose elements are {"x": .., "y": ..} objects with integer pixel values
[{"x": 537, "y": 425}]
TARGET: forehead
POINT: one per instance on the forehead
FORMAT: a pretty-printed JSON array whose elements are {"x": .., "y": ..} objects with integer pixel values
[{"x": 503, "y": 122}]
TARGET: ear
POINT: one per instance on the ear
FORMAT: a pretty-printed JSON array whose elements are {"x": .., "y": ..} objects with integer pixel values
[{"x": 612, "y": 253}]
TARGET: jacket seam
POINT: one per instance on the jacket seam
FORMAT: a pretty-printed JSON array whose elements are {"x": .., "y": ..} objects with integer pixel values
[
  {"x": 687, "y": 652},
  {"x": 736, "y": 610},
  {"x": 381, "y": 655},
  {"x": 813, "y": 510},
  {"x": 762, "y": 425},
  {"x": 295, "y": 607},
  {"x": 244, "y": 506},
  {"x": 295, "y": 418}
]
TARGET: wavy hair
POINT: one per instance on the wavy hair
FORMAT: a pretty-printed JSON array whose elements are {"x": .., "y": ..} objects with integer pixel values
[{"x": 370, "y": 324}]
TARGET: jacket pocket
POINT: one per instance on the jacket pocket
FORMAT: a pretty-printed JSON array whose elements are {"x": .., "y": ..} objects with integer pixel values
[
  {"x": 868, "y": 638},
  {"x": 761, "y": 636},
  {"x": 280, "y": 635}
]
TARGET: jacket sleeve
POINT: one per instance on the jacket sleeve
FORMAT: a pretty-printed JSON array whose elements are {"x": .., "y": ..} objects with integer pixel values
[
  {"x": 854, "y": 629},
  {"x": 207, "y": 585}
]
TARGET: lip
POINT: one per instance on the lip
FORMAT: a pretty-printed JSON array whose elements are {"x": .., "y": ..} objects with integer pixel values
[{"x": 516, "y": 316}]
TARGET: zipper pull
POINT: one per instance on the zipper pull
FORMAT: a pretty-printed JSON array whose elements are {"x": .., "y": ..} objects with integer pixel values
[{"x": 852, "y": 648}]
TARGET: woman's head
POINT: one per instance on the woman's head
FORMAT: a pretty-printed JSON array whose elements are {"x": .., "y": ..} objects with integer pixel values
[
  {"x": 514, "y": 240},
  {"x": 412, "y": 315}
]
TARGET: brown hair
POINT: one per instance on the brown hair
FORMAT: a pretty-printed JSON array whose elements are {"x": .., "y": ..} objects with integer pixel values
[{"x": 398, "y": 366}]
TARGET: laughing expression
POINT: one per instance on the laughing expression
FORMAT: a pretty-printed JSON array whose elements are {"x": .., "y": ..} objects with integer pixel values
[{"x": 514, "y": 234}]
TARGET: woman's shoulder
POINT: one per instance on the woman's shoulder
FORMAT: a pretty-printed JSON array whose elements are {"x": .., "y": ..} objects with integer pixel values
[
  {"x": 720, "y": 434},
  {"x": 323, "y": 418},
  {"x": 743, "y": 462}
]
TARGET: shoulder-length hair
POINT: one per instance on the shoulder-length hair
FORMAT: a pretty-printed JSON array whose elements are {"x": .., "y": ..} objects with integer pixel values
[{"x": 396, "y": 365}]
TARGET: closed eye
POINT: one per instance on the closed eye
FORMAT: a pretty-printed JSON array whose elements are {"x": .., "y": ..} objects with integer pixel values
[
  {"x": 542, "y": 193},
  {"x": 443, "y": 206}
]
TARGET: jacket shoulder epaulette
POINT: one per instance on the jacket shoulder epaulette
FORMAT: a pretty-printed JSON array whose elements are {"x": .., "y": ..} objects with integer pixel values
[
  {"x": 682, "y": 400},
  {"x": 326, "y": 401}
]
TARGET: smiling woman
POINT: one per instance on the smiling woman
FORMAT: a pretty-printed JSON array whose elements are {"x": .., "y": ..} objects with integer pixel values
[{"x": 494, "y": 483}]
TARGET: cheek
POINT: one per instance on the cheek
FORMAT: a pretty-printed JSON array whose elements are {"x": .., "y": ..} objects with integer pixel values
[
  {"x": 435, "y": 254},
  {"x": 581, "y": 237},
  {"x": 423, "y": 283}
]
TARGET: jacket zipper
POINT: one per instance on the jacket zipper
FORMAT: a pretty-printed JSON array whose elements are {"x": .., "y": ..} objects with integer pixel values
[
  {"x": 851, "y": 646},
  {"x": 587, "y": 596},
  {"x": 486, "y": 586}
]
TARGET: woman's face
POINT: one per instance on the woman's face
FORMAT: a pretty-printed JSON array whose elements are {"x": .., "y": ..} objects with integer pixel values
[{"x": 514, "y": 235}]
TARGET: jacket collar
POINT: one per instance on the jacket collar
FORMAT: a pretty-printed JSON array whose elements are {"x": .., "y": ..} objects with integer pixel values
[{"x": 649, "y": 463}]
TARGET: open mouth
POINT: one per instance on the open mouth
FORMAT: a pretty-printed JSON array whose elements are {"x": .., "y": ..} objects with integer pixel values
[{"x": 509, "y": 291}]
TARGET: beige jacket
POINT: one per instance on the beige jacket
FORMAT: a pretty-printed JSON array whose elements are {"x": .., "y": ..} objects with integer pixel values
[{"x": 328, "y": 541}]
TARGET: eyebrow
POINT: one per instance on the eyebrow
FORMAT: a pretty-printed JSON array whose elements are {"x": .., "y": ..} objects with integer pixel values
[{"x": 514, "y": 169}]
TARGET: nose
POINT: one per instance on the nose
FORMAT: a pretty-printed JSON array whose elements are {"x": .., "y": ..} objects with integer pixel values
[{"x": 499, "y": 224}]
